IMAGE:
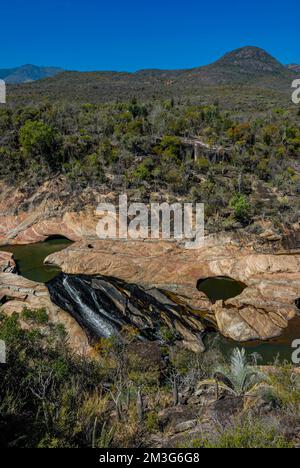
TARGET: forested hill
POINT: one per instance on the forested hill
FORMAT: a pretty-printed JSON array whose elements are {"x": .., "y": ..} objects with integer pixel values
[
  {"x": 233, "y": 74},
  {"x": 27, "y": 73},
  {"x": 141, "y": 137}
]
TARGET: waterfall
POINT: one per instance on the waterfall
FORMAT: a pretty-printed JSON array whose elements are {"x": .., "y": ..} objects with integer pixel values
[
  {"x": 103, "y": 306},
  {"x": 93, "y": 316},
  {"x": 87, "y": 306}
]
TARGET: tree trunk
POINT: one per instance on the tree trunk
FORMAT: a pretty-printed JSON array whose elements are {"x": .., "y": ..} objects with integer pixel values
[
  {"x": 118, "y": 408},
  {"x": 217, "y": 391},
  {"x": 175, "y": 392},
  {"x": 140, "y": 406}
]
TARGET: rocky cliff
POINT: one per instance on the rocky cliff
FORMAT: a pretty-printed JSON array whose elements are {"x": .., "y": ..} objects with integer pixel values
[
  {"x": 267, "y": 264},
  {"x": 262, "y": 311},
  {"x": 28, "y": 217}
]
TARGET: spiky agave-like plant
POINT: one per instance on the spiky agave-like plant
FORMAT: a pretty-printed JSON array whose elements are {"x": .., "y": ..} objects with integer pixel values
[{"x": 238, "y": 378}]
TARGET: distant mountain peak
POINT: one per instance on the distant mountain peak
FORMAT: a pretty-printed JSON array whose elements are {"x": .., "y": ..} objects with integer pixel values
[
  {"x": 251, "y": 58},
  {"x": 246, "y": 66},
  {"x": 248, "y": 52},
  {"x": 27, "y": 73}
]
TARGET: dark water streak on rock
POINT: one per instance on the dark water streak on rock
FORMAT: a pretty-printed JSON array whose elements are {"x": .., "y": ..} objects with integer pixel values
[{"x": 103, "y": 306}]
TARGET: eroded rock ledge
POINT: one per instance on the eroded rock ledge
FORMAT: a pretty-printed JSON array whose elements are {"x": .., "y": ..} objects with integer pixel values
[
  {"x": 7, "y": 263},
  {"x": 268, "y": 263},
  {"x": 104, "y": 306},
  {"x": 17, "y": 292},
  {"x": 30, "y": 216},
  {"x": 261, "y": 312}
]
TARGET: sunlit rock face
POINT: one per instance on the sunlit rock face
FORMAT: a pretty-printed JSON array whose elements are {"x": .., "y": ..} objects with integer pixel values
[
  {"x": 7, "y": 263},
  {"x": 23, "y": 229},
  {"x": 262, "y": 311},
  {"x": 268, "y": 264},
  {"x": 28, "y": 217},
  {"x": 17, "y": 292}
]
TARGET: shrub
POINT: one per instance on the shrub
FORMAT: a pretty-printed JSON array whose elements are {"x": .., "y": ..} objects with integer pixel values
[
  {"x": 37, "y": 139},
  {"x": 246, "y": 434},
  {"x": 285, "y": 388},
  {"x": 241, "y": 207},
  {"x": 39, "y": 316},
  {"x": 152, "y": 422}
]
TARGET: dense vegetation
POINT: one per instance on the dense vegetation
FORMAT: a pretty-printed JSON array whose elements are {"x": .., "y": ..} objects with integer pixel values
[
  {"x": 250, "y": 172},
  {"x": 132, "y": 394}
]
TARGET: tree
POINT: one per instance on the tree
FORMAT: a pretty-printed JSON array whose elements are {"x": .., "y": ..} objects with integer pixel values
[
  {"x": 169, "y": 147},
  {"x": 140, "y": 406},
  {"x": 37, "y": 140},
  {"x": 241, "y": 207}
]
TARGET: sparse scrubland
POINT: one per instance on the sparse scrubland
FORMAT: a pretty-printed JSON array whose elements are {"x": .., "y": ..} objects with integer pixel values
[
  {"x": 114, "y": 133},
  {"x": 147, "y": 151},
  {"x": 137, "y": 395}
]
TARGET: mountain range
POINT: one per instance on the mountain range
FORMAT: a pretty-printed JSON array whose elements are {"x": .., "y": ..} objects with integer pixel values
[
  {"x": 245, "y": 67},
  {"x": 27, "y": 73}
]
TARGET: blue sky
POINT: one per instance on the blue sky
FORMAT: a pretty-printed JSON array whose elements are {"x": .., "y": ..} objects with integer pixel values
[{"x": 132, "y": 34}]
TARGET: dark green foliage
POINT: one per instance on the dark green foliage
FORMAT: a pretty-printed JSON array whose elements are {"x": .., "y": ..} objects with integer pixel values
[
  {"x": 241, "y": 207},
  {"x": 43, "y": 388},
  {"x": 51, "y": 398},
  {"x": 39, "y": 316},
  {"x": 38, "y": 142}
]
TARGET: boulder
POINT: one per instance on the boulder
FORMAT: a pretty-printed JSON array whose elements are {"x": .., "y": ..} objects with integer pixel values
[
  {"x": 185, "y": 426},
  {"x": 176, "y": 417}
]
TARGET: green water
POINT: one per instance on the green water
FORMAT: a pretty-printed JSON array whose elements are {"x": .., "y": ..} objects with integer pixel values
[
  {"x": 221, "y": 288},
  {"x": 30, "y": 259},
  {"x": 281, "y": 348}
]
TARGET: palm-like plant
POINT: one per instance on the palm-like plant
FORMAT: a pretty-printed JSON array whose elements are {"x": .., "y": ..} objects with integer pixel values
[{"x": 238, "y": 378}]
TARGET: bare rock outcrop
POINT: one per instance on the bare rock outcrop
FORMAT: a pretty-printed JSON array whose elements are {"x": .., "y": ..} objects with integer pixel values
[
  {"x": 7, "y": 263},
  {"x": 104, "y": 306},
  {"x": 28, "y": 216},
  {"x": 268, "y": 263},
  {"x": 261, "y": 312},
  {"x": 21, "y": 293},
  {"x": 33, "y": 228}
]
